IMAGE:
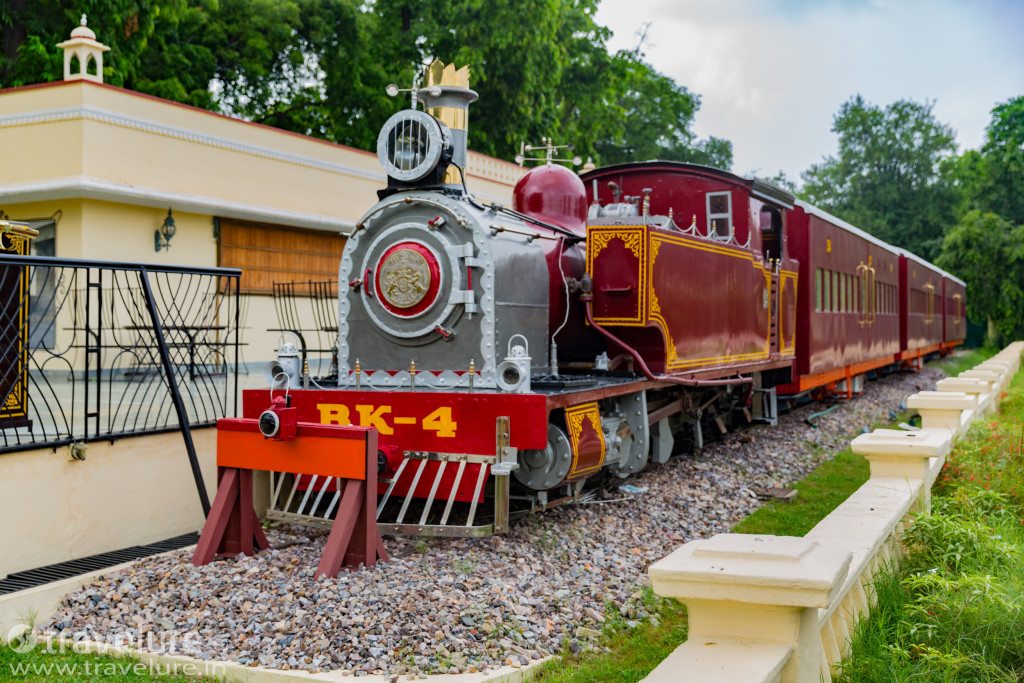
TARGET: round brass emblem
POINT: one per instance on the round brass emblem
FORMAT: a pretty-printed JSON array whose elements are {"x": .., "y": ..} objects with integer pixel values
[{"x": 404, "y": 278}]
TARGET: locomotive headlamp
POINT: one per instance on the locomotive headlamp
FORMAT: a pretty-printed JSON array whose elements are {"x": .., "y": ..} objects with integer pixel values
[
  {"x": 270, "y": 424},
  {"x": 514, "y": 371},
  {"x": 280, "y": 421},
  {"x": 412, "y": 144}
]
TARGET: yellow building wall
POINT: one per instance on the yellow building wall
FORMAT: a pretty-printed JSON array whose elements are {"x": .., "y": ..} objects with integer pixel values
[{"x": 81, "y": 139}]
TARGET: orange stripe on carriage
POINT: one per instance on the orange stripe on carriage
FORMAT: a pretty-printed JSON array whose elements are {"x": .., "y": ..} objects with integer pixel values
[{"x": 325, "y": 450}]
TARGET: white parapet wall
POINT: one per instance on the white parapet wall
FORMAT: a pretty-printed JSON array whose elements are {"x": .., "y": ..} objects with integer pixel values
[
  {"x": 133, "y": 491},
  {"x": 775, "y": 608}
]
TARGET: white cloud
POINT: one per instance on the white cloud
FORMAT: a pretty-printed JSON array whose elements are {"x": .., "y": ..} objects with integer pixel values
[{"x": 771, "y": 73}]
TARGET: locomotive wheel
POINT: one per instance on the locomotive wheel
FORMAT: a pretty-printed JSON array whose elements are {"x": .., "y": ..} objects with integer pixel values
[{"x": 541, "y": 470}]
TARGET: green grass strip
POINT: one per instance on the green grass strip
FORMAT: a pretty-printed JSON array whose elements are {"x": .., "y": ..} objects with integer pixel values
[
  {"x": 72, "y": 667},
  {"x": 954, "y": 609}
]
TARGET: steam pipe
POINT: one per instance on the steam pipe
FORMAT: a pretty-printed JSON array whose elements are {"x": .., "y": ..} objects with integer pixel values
[{"x": 588, "y": 297}]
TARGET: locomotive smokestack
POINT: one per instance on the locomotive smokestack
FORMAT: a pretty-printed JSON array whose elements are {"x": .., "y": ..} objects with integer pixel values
[{"x": 451, "y": 107}]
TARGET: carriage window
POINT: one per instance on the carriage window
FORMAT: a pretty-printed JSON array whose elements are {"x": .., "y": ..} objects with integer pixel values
[
  {"x": 835, "y": 291},
  {"x": 719, "y": 205},
  {"x": 771, "y": 232},
  {"x": 826, "y": 290},
  {"x": 842, "y": 292},
  {"x": 817, "y": 289}
]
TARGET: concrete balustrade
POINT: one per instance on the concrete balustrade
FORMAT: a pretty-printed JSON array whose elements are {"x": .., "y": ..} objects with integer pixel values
[
  {"x": 942, "y": 410},
  {"x": 777, "y": 608},
  {"x": 899, "y": 454},
  {"x": 1002, "y": 368}
]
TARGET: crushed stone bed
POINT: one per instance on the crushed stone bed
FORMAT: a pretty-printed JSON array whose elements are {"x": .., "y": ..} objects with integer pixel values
[{"x": 450, "y": 606}]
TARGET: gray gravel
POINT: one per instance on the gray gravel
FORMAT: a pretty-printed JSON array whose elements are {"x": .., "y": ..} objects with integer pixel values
[{"x": 466, "y": 605}]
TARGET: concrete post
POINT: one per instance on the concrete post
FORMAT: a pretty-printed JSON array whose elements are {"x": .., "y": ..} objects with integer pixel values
[
  {"x": 1002, "y": 368},
  {"x": 906, "y": 455},
  {"x": 745, "y": 592},
  {"x": 944, "y": 409},
  {"x": 980, "y": 389}
]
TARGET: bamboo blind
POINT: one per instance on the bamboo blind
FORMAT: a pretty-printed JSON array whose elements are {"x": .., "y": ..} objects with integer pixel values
[{"x": 273, "y": 253}]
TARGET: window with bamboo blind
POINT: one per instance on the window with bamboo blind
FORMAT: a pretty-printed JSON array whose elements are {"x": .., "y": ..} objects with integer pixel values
[{"x": 273, "y": 253}]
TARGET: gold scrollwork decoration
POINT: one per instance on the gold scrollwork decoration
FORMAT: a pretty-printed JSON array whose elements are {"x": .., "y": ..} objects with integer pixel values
[{"x": 631, "y": 239}]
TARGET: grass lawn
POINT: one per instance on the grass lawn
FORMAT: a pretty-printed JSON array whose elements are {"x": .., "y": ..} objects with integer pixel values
[
  {"x": 820, "y": 492},
  {"x": 966, "y": 359},
  {"x": 627, "y": 654}
]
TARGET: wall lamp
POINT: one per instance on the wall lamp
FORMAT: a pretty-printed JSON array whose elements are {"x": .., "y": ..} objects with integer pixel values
[{"x": 162, "y": 237}]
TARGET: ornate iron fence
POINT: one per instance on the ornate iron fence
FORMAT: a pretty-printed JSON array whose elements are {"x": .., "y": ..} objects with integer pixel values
[
  {"x": 102, "y": 350},
  {"x": 308, "y": 311}
]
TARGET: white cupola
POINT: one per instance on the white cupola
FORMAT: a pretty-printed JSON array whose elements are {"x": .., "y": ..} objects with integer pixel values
[{"x": 88, "y": 50}]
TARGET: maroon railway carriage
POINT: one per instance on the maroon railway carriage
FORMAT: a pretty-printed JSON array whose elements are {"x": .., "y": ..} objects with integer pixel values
[
  {"x": 848, "y": 313},
  {"x": 954, "y": 321},
  {"x": 921, "y": 292},
  {"x": 708, "y": 288}
]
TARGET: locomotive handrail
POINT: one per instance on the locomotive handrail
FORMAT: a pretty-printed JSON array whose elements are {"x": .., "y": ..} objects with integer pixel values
[{"x": 60, "y": 262}]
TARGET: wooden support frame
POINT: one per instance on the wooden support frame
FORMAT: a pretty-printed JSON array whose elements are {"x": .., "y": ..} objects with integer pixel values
[{"x": 347, "y": 453}]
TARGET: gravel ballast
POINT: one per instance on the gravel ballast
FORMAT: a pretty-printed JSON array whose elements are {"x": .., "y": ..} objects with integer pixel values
[{"x": 448, "y": 606}]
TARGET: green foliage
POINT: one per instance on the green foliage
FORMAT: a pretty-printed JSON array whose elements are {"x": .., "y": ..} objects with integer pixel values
[
  {"x": 72, "y": 667},
  {"x": 992, "y": 178},
  {"x": 964, "y": 359},
  {"x": 319, "y": 67},
  {"x": 987, "y": 252},
  {"x": 887, "y": 176}
]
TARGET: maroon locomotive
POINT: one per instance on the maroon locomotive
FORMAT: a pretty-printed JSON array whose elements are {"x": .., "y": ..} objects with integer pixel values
[{"x": 507, "y": 357}]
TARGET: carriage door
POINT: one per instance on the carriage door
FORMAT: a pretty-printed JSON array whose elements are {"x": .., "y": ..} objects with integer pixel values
[{"x": 771, "y": 246}]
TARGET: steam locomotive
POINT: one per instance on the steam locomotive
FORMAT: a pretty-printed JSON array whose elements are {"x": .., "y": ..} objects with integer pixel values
[{"x": 508, "y": 356}]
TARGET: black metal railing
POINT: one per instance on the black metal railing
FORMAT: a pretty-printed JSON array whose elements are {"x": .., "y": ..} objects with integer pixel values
[
  {"x": 308, "y": 311},
  {"x": 106, "y": 350}
]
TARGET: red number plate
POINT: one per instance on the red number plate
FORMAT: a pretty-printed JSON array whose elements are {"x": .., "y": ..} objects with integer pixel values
[{"x": 421, "y": 421}]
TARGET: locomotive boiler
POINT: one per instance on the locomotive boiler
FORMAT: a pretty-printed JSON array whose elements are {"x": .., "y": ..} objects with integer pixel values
[{"x": 507, "y": 356}]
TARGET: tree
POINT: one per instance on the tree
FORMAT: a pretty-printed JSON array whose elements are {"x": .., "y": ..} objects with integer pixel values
[
  {"x": 992, "y": 178},
  {"x": 320, "y": 67},
  {"x": 785, "y": 182},
  {"x": 887, "y": 177},
  {"x": 975, "y": 249},
  {"x": 651, "y": 119}
]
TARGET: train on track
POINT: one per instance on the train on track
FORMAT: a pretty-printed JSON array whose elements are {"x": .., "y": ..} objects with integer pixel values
[{"x": 509, "y": 356}]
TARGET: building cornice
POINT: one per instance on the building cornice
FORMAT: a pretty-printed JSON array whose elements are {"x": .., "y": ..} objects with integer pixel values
[
  {"x": 73, "y": 187},
  {"x": 105, "y": 116},
  {"x": 89, "y": 113}
]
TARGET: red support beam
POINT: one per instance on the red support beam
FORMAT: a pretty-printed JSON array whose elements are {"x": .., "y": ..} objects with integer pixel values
[{"x": 348, "y": 453}]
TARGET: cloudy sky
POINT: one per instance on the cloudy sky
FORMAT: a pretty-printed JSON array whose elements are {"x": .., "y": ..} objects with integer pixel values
[{"x": 771, "y": 73}]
